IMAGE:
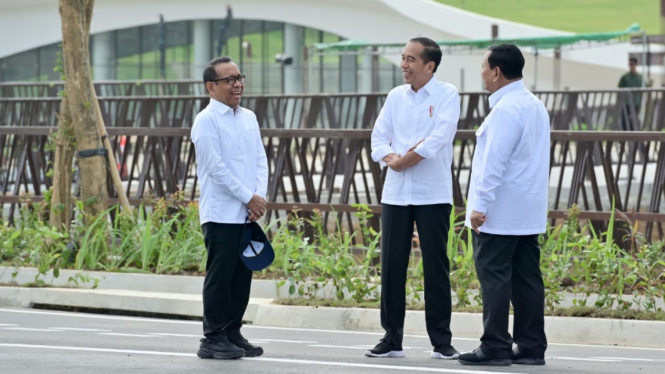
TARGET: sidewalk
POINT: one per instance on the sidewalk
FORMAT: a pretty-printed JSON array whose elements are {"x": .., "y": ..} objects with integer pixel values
[{"x": 181, "y": 295}]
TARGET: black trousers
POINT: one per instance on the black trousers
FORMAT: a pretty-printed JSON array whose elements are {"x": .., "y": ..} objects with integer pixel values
[
  {"x": 227, "y": 282},
  {"x": 508, "y": 268},
  {"x": 433, "y": 223}
]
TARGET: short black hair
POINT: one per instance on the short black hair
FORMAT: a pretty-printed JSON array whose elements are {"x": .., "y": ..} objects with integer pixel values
[
  {"x": 431, "y": 52},
  {"x": 508, "y": 58},
  {"x": 209, "y": 74},
  {"x": 632, "y": 59}
]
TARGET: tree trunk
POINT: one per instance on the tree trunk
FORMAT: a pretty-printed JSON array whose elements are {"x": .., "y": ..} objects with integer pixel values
[
  {"x": 61, "y": 198},
  {"x": 76, "y": 16}
]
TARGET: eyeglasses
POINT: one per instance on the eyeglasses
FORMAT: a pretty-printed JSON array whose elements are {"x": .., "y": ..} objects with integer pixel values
[{"x": 231, "y": 80}]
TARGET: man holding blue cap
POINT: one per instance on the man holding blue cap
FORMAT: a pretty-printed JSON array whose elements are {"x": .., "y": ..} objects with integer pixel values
[{"x": 233, "y": 171}]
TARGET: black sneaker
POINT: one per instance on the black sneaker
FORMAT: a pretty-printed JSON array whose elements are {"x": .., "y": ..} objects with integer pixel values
[
  {"x": 240, "y": 341},
  {"x": 445, "y": 352},
  {"x": 521, "y": 357},
  {"x": 479, "y": 358},
  {"x": 220, "y": 349},
  {"x": 385, "y": 349}
]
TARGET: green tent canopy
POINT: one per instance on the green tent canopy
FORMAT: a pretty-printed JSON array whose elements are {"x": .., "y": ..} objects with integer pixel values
[{"x": 544, "y": 42}]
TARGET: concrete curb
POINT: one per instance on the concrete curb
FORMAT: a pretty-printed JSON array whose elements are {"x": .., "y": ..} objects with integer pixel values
[
  {"x": 262, "y": 313},
  {"x": 183, "y": 284},
  {"x": 179, "y": 284}
]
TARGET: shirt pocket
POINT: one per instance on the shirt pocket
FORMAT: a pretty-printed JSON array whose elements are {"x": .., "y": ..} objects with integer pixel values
[
  {"x": 250, "y": 134},
  {"x": 481, "y": 130},
  {"x": 232, "y": 143},
  {"x": 250, "y": 127}
]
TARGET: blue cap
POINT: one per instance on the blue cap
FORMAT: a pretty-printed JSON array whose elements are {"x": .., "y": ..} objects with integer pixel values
[{"x": 255, "y": 250}]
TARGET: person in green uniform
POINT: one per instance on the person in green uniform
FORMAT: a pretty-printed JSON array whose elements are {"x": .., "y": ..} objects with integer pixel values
[{"x": 632, "y": 79}]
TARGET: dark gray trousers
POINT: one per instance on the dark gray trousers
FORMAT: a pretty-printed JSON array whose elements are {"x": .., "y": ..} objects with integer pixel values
[
  {"x": 433, "y": 222},
  {"x": 508, "y": 268},
  {"x": 227, "y": 282}
]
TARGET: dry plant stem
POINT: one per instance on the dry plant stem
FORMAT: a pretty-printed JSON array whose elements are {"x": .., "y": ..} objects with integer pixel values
[
  {"x": 115, "y": 175},
  {"x": 61, "y": 200}
]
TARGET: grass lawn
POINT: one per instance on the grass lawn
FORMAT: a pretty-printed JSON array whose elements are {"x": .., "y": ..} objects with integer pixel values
[{"x": 570, "y": 15}]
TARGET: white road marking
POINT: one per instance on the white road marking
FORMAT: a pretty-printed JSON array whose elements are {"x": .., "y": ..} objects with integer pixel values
[
  {"x": 76, "y": 329},
  {"x": 261, "y": 359},
  {"x": 138, "y": 319},
  {"x": 351, "y": 346},
  {"x": 129, "y": 335},
  {"x": 370, "y": 366},
  {"x": 258, "y": 340},
  {"x": 28, "y": 329},
  {"x": 87, "y": 349},
  {"x": 97, "y": 316},
  {"x": 251, "y": 327},
  {"x": 287, "y": 341},
  {"x": 336, "y": 346},
  {"x": 337, "y": 331},
  {"x": 176, "y": 335},
  {"x": 579, "y": 359},
  {"x": 627, "y": 359},
  {"x": 607, "y": 346}
]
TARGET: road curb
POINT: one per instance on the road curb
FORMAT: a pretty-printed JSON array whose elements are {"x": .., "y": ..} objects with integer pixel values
[
  {"x": 185, "y": 284},
  {"x": 261, "y": 312}
]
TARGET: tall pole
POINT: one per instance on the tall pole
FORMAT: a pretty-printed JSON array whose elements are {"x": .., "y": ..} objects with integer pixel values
[
  {"x": 535, "y": 75},
  {"x": 644, "y": 56},
  {"x": 162, "y": 47},
  {"x": 662, "y": 22},
  {"x": 557, "y": 68}
]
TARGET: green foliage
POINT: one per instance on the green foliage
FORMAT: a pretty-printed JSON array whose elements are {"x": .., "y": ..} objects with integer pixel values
[
  {"x": 325, "y": 264},
  {"x": 59, "y": 68},
  {"x": 163, "y": 240},
  {"x": 587, "y": 264},
  {"x": 315, "y": 263},
  {"x": 569, "y": 15}
]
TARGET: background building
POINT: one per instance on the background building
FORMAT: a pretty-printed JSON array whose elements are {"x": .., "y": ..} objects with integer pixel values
[{"x": 126, "y": 40}]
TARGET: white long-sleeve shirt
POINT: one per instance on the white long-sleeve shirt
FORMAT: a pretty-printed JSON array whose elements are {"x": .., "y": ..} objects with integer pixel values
[
  {"x": 407, "y": 118},
  {"x": 510, "y": 170},
  {"x": 231, "y": 162}
]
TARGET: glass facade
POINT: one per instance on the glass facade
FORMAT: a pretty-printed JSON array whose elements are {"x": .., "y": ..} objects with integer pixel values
[{"x": 134, "y": 54}]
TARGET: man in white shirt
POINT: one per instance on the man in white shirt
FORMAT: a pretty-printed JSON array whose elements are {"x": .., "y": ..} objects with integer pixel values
[
  {"x": 507, "y": 210},
  {"x": 413, "y": 136},
  {"x": 233, "y": 171}
]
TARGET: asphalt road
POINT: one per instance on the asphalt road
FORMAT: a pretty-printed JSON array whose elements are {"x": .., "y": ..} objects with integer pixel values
[{"x": 38, "y": 341}]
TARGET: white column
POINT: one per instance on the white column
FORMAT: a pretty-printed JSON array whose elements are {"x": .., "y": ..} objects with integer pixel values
[
  {"x": 202, "y": 47},
  {"x": 102, "y": 56},
  {"x": 366, "y": 72},
  {"x": 556, "y": 76},
  {"x": 348, "y": 66},
  {"x": 293, "y": 46}
]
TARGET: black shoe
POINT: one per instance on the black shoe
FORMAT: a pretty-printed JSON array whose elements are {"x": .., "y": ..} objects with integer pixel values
[
  {"x": 445, "y": 352},
  {"x": 385, "y": 349},
  {"x": 250, "y": 350},
  {"x": 522, "y": 357},
  {"x": 220, "y": 349},
  {"x": 479, "y": 358}
]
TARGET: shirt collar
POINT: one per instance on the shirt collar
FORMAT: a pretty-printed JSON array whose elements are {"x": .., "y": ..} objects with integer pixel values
[
  {"x": 221, "y": 107},
  {"x": 496, "y": 96},
  {"x": 430, "y": 87}
]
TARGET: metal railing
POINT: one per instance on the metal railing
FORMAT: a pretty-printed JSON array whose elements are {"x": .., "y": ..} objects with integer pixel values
[
  {"x": 569, "y": 110},
  {"x": 330, "y": 169},
  {"x": 318, "y": 147}
]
